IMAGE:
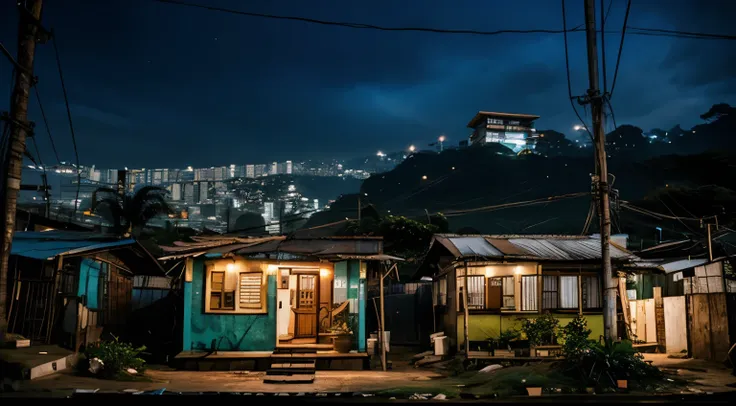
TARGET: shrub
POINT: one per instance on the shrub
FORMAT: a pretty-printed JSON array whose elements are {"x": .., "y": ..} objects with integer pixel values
[
  {"x": 507, "y": 336},
  {"x": 540, "y": 331},
  {"x": 576, "y": 342},
  {"x": 116, "y": 357},
  {"x": 604, "y": 364}
]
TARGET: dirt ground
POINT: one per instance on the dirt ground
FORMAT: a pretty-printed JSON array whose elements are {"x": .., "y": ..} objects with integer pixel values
[{"x": 705, "y": 377}]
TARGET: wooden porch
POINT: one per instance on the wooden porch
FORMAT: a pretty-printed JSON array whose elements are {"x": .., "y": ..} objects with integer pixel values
[{"x": 326, "y": 359}]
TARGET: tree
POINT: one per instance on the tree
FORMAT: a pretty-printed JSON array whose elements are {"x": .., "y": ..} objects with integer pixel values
[
  {"x": 717, "y": 111},
  {"x": 129, "y": 213},
  {"x": 251, "y": 223},
  {"x": 553, "y": 143}
]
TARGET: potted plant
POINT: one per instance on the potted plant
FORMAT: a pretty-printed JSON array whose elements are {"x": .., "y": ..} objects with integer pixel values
[{"x": 343, "y": 337}]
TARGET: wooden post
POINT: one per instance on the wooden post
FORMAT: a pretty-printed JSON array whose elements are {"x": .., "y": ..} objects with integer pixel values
[
  {"x": 467, "y": 313},
  {"x": 659, "y": 317},
  {"x": 13, "y": 161},
  {"x": 382, "y": 323},
  {"x": 710, "y": 247},
  {"x": 580, "y": 292},
  {"x": 596, "y": 101}
]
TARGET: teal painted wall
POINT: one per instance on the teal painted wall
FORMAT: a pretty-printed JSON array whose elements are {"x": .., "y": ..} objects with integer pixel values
[
  {"x": 187, "y": 323},
  {"x": 232, "y": 332}
]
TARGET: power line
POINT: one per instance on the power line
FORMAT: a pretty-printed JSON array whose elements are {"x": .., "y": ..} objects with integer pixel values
[
  {"x": 543, "y": 200},
  {"x": 620, "y": 47},
  {"x": 604, "y": 16},
  {"x": 567, "y": 72},
  {"x": 640, "y": 31},
  {"x": 363, "y": 25},
  {"x": 46, "y": 124},
  {"x": 684, "y": 34},
  {"x": 71, "y": 126}
]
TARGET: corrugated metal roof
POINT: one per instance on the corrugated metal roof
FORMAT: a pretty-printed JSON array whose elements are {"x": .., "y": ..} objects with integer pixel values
[
  {"x": 474, "y": 247},
  {"x": 50, "y": 244},
  {"x": 315, "y": 247},
  {"x": 539, "y": 247},
  {"x": 679, "y": 265}
]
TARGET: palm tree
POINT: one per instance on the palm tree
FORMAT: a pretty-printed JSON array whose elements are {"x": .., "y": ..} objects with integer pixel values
[{"x": 129, "y": 213}]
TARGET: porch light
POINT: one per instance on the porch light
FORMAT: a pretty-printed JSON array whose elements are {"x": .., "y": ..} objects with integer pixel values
[
  {"x": 231, "y": 267},
  {"x": 271, "y": 269},
  {"x": 324, "y": 273},
  {"x": 517, "y": 270},
  {"x": 489, "y": 272}
]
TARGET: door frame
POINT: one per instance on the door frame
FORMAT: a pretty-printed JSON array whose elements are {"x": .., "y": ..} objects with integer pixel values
[{"x": 311, "y": 272}]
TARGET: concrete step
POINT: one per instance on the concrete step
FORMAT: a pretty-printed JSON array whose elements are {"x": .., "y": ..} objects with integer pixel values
[
  {"x": 35, "y": 361},
  {"x": 299, "y": 378}
]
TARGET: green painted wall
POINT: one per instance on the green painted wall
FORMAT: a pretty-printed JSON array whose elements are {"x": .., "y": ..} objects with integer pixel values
[
  {"x": 232, "y": 332},
  {"x": 484, "y": 326}
]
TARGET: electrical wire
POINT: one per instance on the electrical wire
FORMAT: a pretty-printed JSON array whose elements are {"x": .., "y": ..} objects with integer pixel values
[
  {"x": 641, "y": 31},
  {"x": 604, "y": 15},
  {"x": 567, "y": 72},
  {"x": 71, "y": 127},
  {"x": 44, "y": 177},
  {"x": 361, "y": 25},
  {"x": 620, "y": 47},
  {"x": 46, "y": 124},
  {"x": 543, "y": 200}
]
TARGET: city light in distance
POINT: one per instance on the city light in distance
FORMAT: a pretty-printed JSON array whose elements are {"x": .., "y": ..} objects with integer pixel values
[
  {"x": 577, "y": 127},
  {"x": 424, "y": 177},
  {"x": 380, "y": 154},
  {"x": 442, "y": 138},
  {"x": 412, "y": 148}
]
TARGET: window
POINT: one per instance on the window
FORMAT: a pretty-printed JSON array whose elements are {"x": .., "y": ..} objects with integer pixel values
[
  {"x": 235, "y": 292},
  {"x": 250, "y": 290},
  {"x": 441, "y": 289},
  {"x": 476, "y": 292},
  {"x": 591, "y": 292},
  {"x": 508, "y": 292},
  {"x": 220, "y": 297},
  {"x": 549, "y": 292},
  {"x": 529, "y": 293},
  {"x": 568, "y": 292}
]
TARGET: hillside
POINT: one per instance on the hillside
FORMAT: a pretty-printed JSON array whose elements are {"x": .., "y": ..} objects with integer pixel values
[{"x": 481, "y": 176}]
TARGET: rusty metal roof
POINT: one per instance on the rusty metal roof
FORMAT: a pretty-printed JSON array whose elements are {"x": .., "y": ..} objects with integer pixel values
[
  {"x": 532, "y": 247},
  {"x": 314, "y": 247}
]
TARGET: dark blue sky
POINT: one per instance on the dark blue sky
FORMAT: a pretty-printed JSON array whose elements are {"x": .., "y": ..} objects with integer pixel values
[{"x": 159, "y": 85}]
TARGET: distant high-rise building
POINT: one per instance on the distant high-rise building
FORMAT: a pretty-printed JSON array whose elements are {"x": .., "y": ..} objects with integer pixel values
[
  {"x": 316, "y": 204},
  {"x": 289, "y": 168},
  {"x": 203, "y": 191},
  {"x": 176, "y": 191},
  {"x": 189, "y": 192},
  {"x": 269, "y": 211},
  {"x": 274, "y": 168},
  {"x": 260, "y": 170},
  {"x": 250, "y": 171}
]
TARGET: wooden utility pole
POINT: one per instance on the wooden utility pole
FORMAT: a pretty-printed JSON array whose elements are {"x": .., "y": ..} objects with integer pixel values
[
  {"x": 12, "y": 163},
  {"x": 595, "y": 98}
]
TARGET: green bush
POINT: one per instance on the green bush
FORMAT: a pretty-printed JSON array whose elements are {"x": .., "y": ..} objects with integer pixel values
[
  {"x": 541, "y": 330},
  {"x": 116, "y": 357},
  {"x": 507, "y": 336},
  {"x": 576, "y": 342},
  {"x": 603, "y": 364}
]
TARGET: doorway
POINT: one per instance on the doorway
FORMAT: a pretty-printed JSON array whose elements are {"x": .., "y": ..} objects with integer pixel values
[{"x": 306, "y": 306}]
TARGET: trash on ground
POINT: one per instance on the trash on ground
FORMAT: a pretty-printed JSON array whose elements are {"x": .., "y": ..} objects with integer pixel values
[{"x": 490, "y": 368}]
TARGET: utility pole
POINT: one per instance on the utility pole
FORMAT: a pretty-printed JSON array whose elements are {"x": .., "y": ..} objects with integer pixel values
[
  {"x": 12, "y": 163},
  {"x": 595, "y": 98}
]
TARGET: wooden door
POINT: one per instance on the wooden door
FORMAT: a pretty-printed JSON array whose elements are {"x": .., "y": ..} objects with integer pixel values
[{"x": 307, "y": 305}]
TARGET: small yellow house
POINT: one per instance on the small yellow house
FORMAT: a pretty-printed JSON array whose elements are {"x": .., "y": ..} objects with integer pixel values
[{"x": 514, "y": 277}]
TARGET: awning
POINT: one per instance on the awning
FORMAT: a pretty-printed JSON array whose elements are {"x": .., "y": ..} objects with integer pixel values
[{"x": 49, "y": 245}]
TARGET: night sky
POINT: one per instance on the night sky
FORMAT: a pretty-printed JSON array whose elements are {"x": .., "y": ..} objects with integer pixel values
[{"x": 160, "y": 85}]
